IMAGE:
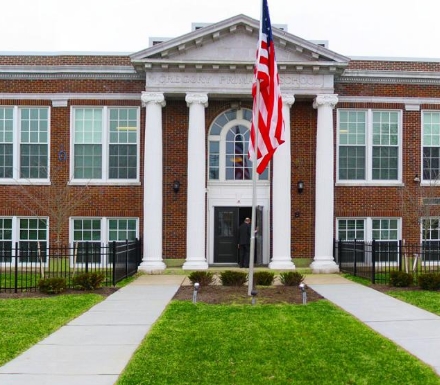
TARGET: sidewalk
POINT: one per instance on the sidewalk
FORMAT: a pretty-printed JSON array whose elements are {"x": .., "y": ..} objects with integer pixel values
[{"x": 94, "y": 348}]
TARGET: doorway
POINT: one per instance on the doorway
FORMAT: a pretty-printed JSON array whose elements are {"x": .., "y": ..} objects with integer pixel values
[{"x": 226, "y": 223}]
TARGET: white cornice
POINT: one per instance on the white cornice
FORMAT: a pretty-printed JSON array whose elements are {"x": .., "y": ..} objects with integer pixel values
[
  {"x": 381, "y": 76},
  {"x": 388, "y": 100},
  {"x": 69, "y": 96}
]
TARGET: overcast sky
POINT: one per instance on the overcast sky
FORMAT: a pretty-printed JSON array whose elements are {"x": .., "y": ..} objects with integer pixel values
[{"x": 378, "y": 28}]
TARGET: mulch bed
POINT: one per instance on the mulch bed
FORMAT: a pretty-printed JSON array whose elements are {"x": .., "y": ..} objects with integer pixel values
[{"x": 218, "y": 294}]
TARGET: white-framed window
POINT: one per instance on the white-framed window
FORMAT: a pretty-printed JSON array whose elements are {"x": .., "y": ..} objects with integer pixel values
[
  {"x": 228, "y": 143},
  {"x": 430, "y": 145},
  {"x": 384, "y": 231},
  {"x": 368, "y": 229},
  {"x": 24, "y": 144},
  {"x": 90, "y": 235},
  {"x": 369, "y": 146},
  {"x": 105, "y": 144},
  {"x": 29, "y": 233},
  {"x": 430, "y": 235}
]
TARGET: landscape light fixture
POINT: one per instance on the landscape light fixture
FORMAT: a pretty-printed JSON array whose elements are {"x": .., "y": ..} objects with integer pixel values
[{"x": 196, "y": 289}]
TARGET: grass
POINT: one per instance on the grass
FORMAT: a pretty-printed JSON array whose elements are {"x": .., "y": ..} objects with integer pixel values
[
  {"x": 428, "y": 300},
  {"x": 269, "y": 344},
  {"x": 24, "y": 322}
]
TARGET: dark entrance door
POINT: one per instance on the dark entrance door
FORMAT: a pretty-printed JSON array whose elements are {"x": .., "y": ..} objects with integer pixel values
[{"x": 226, "y": 223}]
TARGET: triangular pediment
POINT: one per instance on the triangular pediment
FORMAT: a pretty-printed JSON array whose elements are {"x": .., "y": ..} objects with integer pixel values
[{"x": 232, "y": 44}]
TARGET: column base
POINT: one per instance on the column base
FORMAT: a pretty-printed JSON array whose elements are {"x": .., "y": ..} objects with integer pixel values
[
  {"x": 282, "y": 265},
  {"x": 324, "y": 266},
  {"x": 195, "y": 265},
  {"x": 152, "y": 266}
]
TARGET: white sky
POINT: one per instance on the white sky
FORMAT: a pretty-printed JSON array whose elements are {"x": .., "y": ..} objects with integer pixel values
[{"x": 379, "y": 28}]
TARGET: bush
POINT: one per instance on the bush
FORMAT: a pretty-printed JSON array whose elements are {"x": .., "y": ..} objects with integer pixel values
[
  {"x": 204, "y": 278},
  {"x": 264, "y": 278},
  {"x": 429, "y": 281},
  {"x": 401, "y": 279},
  {"x": 291, "y": 278},
  {"x": 233, "y": 278},
  {"x": 88, "y": 281},
  {"x": 54, "y": 285}
]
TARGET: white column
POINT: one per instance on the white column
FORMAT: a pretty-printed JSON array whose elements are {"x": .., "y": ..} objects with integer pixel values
[
  {"x": 281, "y": 197},
  {"x": 195, "y": 218},
  {"x": 324, "y": 196},
  {"x": 153, "y": 175}
]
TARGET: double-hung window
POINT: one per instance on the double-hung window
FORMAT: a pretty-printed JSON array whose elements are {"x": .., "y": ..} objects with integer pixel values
[
  {"x": 31, "y": 235},
  {"x": 369, "y": 146},
  {"x": 431, "y": 145},
  {"x": 89, "y": 235},
  {"x": 106, "y": 144},
  {"x": 24, "y": 143}
]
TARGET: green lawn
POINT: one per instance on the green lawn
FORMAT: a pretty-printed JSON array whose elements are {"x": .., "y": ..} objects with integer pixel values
[
  {"x": 269, "y": 344},
  {"x": 24, "y": 322},
  {"x": 428, "y": 300}
]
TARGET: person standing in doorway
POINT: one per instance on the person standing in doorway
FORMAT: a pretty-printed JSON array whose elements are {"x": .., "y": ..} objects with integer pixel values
[{"x": 244, "y": 242}]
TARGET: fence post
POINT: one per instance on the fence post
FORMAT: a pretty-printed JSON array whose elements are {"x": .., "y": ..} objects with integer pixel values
[
  {"x": 400, "y": 253},
  {"x": 126, "y": 257},
  {"x": 373, "y": 262},
  {"x": 87, "y": 256},
  {"x": 17, "y": 254},
  {"x": 113, "y": 251},
  {"x": 355, "y": 258}
]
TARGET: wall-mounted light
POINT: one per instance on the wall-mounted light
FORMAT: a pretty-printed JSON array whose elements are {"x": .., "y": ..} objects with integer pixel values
[
  {"x": 416, "y": 179},
  {"x": 300, "y": 186},
  {"x": 176, "y": 186}
]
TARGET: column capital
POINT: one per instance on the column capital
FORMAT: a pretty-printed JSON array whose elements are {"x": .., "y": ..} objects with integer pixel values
[
  {"x": 196, "y": 98},
  {"x": 329, "y": 100},
  {"x": 153, "y": 97},
  {"x": 288, "y": 99}
]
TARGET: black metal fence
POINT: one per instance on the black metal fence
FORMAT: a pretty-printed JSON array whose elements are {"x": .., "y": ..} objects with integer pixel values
[
  {"x": 377, "y": 259},
  {"x": 25, "y": 264}
]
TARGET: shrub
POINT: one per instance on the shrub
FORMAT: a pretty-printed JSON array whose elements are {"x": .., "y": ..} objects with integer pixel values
[
  {"x": 233, "y": 278},
  {"x": 204, "y": 278},
  {"x": 401, "y": 279},
  {"x": 53, "y": 285},
  {"x": 291, "y": 278},
  {"x": 429, "y": 281},
  {"x": 264, "y": 278},
  {"x": 88, "y": 281}
]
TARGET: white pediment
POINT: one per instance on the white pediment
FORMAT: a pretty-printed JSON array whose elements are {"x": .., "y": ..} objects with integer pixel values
[{"x": 232, "y": 44}]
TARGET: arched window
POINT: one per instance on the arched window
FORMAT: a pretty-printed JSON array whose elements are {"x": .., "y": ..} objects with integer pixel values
[{"x": 228, "y": 147}]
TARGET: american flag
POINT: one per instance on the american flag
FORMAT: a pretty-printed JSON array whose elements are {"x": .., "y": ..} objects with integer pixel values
[{"x": 267, "y": 107}]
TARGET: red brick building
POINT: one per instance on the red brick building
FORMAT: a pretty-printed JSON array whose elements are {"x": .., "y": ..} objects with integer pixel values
[{"x": 112, "y": 147}]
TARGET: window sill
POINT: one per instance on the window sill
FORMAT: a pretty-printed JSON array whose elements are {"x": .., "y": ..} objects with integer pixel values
[
  {"x": 103, "y": 183},
  {"x": 370, "y": 184}
]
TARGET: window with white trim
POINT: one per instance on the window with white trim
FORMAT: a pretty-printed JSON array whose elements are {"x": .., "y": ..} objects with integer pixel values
[
  {"x": 384, "y": 231},
  {"x": 430, "y": 230},
  {"x": 24, "y": 143},
  {"x": 90, "y": 234},
  {"x": 31, "y": 234},
  {"x": 228, "y": 143},
  {"x": 369, "y": 145},
  {"x": 105, "y": 144},
  {"x": 431, "y": 145}
]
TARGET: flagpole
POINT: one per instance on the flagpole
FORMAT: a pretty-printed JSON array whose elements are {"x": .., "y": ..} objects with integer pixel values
[
  {"x": 255, "y": 119},
  {"x": 254, "y": 199}
]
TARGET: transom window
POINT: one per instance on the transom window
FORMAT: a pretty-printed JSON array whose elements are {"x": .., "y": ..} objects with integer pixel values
[
  {"x": 431, "y": 145},
  {"x": 106, "y": 144},
  {"x": 369, "y": 145},
  {"x": 228, "y": 144},
  {"x": 24, "y": 143}
]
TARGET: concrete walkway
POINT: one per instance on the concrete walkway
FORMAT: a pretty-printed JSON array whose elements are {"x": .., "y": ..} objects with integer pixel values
[{"x": 94, "y": 348}]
